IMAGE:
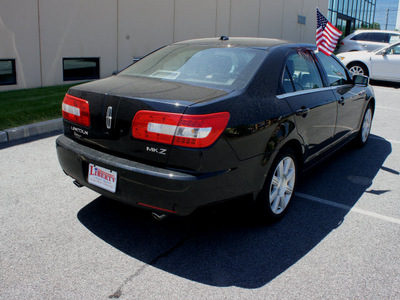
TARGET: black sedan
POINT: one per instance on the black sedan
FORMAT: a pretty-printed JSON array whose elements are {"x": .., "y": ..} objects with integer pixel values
[{"x": 206, "y": 120}]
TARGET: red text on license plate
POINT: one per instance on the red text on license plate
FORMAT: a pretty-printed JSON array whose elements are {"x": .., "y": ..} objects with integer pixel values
[{"x": 102, "y": 177}]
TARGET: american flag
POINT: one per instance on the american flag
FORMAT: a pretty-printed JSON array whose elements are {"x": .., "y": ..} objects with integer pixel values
[{"x": 327, "y": 35}]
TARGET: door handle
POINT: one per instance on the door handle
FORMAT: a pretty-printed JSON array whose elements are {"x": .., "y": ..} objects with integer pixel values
[
  {"x": 302, "y": 111},
  {"x": 341, "y": 101}
]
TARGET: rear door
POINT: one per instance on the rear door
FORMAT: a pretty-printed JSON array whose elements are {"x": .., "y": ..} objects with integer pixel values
[
  {"x": 314, "y": 105},
  {"x": 375, "y": 40}
]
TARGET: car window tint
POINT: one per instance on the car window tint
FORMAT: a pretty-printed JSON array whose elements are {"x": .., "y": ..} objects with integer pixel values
[
  {"x": 286, "y": 84},
  {"x": 205, "y": 65},
  {"x": 394, "y": 50},
  {"x": 386, "y": 37},
  {"x": 337, "y": 75},
  {"x": 377, "y": 37},
  {"x": 360, "y": 37},
  {"x": 303, "y": 71}
]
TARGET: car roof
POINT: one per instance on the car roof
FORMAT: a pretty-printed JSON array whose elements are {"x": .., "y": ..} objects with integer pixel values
[
  {"x": 375, "y": 30},
  {"x": 241, "y": 42}
]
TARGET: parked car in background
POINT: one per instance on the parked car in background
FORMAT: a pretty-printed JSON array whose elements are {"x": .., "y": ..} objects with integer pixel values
[
  {"x": 381, "y": 64},
  {"x": 368, "y": 40},
  {"x": 206, "y": 120}
]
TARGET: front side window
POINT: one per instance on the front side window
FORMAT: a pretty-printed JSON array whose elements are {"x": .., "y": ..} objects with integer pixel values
[
  {"x": 8, "y": 74},
  {"x": 300, "y": 68},
  {"x": 231, "y": 67},
  {"x": 337, "y": 75},
  {"x": 394, "y": 50},
  {"x": 81, "y": 68}
]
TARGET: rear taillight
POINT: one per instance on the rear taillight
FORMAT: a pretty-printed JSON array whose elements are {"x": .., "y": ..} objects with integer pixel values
[
  {"x": 76, "y": 110},
  {"x": 194, "y": 131}
]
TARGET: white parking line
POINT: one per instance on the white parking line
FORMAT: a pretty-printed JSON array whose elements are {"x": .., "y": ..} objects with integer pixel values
[{"x": 348, "y": 208}]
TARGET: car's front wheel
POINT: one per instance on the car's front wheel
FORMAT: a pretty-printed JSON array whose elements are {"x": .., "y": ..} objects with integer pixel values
[
  {"x": 275, "y": 198},
  {"x": 358, "y": 69}
]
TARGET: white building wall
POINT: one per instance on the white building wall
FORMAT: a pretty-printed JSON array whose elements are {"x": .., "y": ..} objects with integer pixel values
[
  {"x": 77, "y": 28},
  {"x": 244, "y": 18},
  {"x": 143, "y": 26},
  {"x": 40, "y": 33},
  {"x": 19, "y": 40}
]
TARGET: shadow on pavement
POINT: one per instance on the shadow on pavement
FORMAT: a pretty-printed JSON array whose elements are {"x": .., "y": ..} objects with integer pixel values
[
  {"x": 395, "y": 85},
  {"x": 225, "y": 245}
]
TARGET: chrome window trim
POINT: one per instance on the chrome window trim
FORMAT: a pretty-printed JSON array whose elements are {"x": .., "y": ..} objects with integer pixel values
[{"x": 286, "y": 95}]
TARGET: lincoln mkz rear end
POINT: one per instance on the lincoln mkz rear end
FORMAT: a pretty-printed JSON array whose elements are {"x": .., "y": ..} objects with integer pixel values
[{"x": 192, "y": 124}]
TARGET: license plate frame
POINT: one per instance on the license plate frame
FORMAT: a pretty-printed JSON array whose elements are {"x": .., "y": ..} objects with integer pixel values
[{"x": 102, "y": 177}]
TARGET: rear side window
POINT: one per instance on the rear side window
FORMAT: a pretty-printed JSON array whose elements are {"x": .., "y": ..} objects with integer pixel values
[
  {"x": 361, "y": 37},
  {"x": 377, "y": 37},
  {"x": 287, "y": 82},
  {"x": 301, "y": 71},
  {"x": 337, "y": 75}
]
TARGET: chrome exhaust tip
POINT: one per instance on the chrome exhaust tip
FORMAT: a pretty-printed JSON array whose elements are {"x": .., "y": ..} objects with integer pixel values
[
  {"x": 158, "y": 217},
  {"x": 78, "y": 184}
]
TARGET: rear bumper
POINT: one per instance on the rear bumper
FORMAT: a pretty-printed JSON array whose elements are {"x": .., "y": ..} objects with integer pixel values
[{"x": 157, "y": 188}]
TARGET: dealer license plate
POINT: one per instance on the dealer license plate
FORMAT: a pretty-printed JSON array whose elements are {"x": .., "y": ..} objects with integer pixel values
[{"x": 103, "y": 178}]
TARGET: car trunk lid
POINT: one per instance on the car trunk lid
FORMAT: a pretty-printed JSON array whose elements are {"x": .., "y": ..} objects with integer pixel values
[{"x": 113, "y": 103}]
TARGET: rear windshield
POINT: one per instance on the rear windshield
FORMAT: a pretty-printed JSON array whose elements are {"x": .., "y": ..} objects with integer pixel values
[{"x": 226, "y": 67}]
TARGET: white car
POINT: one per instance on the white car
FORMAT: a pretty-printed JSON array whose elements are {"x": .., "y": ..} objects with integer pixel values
[{"x": 381, "y": 64}]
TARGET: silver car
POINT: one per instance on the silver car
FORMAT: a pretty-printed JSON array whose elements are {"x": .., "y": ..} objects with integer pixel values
[{"x": 368, "y": 40}]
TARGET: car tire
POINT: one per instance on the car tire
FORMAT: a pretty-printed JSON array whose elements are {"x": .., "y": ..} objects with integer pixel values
[
  {"x": 275, "y": 198},
  {"x": 365, "y": 129},
  {"x": 358, "y": 69}
]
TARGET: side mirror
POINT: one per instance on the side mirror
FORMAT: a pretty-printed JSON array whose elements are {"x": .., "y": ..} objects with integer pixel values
[{"x": 360, "y": 80}]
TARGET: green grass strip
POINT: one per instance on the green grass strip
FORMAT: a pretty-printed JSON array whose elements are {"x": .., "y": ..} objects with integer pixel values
[{"x": 28, "y": 106}]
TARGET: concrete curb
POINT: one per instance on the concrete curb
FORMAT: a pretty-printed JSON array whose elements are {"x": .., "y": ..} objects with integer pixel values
[{"x": 31, "y": 130}]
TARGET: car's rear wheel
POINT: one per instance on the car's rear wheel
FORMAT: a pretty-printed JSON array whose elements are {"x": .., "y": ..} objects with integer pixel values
[
  {"x": 365, "y": 129},
  {"x": 275, "y": 198},
  {"x": 358, "y": 69}
]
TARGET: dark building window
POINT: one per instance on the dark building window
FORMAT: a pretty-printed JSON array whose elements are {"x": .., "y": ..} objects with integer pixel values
[
  {"x": 349, "y": 15},
  {"x": 8, "y": 74},
  {"x": 80, "y": 68}
]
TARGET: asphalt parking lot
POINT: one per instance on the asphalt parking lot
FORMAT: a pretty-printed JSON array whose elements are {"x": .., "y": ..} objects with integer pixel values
[{"x": 339, "y": 240}]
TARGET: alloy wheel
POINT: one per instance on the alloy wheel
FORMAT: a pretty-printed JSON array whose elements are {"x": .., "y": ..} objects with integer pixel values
[
  {"x": 366, "y": 126},
  {"x": 282, "y": 185},
  {"x": 357, "y": 70}
]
